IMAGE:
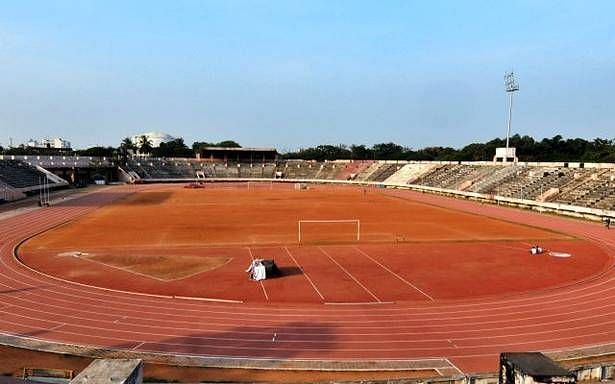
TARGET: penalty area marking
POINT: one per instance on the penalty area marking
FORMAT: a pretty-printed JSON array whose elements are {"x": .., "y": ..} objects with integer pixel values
[
  {"x": 127, "y": 270},
  {"x": 350, "y": 275},
  {"x": 394, "y": 274},
  {"x": 304, "y": 274}
]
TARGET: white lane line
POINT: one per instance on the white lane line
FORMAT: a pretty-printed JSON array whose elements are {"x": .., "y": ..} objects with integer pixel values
[
  {"x": 137, "y": 346},
  {"x": 350, "y": 275},
  {"x": 305, "y": 274},
  {"x": 394, "y": 274},
  {"x": 454, "y": 366},
  {"x": 261, "y": 282},
  {"x": 358, "y": 302},
  {"x": 57, "y": 327}
]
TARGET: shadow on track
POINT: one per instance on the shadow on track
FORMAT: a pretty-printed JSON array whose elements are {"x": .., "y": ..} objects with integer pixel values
[{"x": 285, "y": 341}]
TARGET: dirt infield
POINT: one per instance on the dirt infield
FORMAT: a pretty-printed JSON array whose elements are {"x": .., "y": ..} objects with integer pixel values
[{"x": 197, "y": 242}]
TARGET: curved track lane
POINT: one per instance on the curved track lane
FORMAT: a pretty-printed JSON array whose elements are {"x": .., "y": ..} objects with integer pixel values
[{"x": 471, "y": 333}]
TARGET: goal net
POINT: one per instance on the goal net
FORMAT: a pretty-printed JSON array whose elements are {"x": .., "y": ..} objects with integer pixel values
[
  {"x": 259, "y": 185},
  {"x": 328, "y": 231}
]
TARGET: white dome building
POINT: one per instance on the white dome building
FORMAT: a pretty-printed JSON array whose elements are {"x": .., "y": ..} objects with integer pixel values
[{"x": 154, "y": 137}]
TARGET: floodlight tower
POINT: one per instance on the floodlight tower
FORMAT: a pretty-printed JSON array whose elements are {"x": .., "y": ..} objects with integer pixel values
[{"x": 511, "y": 87}]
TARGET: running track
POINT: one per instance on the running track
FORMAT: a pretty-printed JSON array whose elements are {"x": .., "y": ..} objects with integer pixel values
[{"x": 37, "y": 310}]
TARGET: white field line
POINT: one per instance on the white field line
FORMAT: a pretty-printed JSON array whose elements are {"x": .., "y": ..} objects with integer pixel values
[
  {"x": 261, "y": 282},
  {"x": 305, "y": 274},
  {"x": 394, "y": 274},
  {"x": 350, "y": 275}
]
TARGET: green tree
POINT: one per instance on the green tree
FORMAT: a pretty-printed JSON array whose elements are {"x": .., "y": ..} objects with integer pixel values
[
  {"x": 126, "y": 147},
  {"x": 388, "y": 151},
  {"x": 198, "y": 145},
  {"x": 145, "y": 145},
  {"x": 96, "y": 152},
  {"x": 361, "y": 152},
  {"x": 173, "y": 148},
  {"x": 228, "y": 144}
]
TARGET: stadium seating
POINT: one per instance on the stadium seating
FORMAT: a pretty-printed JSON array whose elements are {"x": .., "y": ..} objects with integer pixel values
[
  {"x": 595, "y": 189},
  {"x": 409, "y": 173},
  {"x": 530, "y": 182},
  {"x": 445, "y": 176},
  {"x": 19, "y": 174},
  {"x": 329, "y": 170},
  {"x": 299, "y": 169},
  {"x": 353, "y": 168},
  {"x": 575, "y": 186},
  {"x": 384, "y": 172}
]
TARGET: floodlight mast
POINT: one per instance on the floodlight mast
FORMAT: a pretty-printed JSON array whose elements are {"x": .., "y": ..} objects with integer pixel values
[{"x": 511, "y": 87}]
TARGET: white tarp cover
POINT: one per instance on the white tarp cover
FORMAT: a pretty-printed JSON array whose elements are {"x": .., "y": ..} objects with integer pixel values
[{"x": 257, "y": 270}]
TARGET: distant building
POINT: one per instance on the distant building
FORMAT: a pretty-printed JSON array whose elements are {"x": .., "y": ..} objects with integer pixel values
[
  {"x": 238, "y": 154},
  {"x": 55, "y": 143},
  {"x": 155, "y": 138}
]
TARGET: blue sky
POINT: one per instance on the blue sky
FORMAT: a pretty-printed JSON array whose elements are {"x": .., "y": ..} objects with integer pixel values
[{"x": 292, "y": 74}]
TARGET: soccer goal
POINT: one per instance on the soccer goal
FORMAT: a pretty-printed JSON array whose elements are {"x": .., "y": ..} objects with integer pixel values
[
  {"x": 328, "y": 230},
  {"x": 259, "y": 185}
]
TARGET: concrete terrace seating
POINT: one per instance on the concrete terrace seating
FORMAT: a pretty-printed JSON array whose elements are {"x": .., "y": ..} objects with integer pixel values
[
  {"x": 488, "y": 183},
  {"x": 444, "y": 176},
  {"x": 592, "y": 188},
  {"x": 160, "y": 169},
  {"x": 353, "y": 168},
  {"x": 329, "y": 170},
  {"x": 18, "y": 174},
  {"x": 595, "y": 190},
  {"x": 50, "y": 162},
  {"x": 530, "y": 182},
  {"x": 365, "y": 173},
  {"x": 187, "y": 169},
  {"x": 299, "y": 169},
  {"x": 384, "y": 172},
  {"x": 408, "y": 173}
]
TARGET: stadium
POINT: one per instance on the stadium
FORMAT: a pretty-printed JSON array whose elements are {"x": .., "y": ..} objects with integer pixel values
[
  {"x": 402, "y": 269},
  {"x": 307, "y": 192}
]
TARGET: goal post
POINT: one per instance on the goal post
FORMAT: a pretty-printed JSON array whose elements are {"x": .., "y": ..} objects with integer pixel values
[{"x": 354, "y": 233}]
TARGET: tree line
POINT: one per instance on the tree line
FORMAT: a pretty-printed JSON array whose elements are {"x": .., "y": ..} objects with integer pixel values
[
  {"x": 528, "y": 149},
  {"x": 174, "y": 148}
]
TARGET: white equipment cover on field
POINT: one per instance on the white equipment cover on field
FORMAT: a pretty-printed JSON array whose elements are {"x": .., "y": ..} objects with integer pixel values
[{"x": 257, "y": 270}]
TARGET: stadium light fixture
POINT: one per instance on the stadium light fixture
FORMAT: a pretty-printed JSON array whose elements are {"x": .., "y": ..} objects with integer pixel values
[{"x": 511, "y": 87}]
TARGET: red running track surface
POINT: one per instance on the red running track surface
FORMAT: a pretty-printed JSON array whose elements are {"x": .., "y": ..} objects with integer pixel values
[{"x": 470, "y": 333}]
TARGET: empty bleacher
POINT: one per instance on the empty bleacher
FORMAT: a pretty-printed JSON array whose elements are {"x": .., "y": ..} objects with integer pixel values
[
  {"x": 409, "y": 172},
  {"x": 299, "y": 169},
  {"x": 444, "y": 176},
  {"x": 384, "y": 172},
  {"x": 329, "y": 170},
  {"x": 353, "y": 168},
  {"x": 531, "y": 182},
  {"x": 561, "y": 184},
  {"x": 20, "y": 175},
  {"x": 595, "y": 189}
]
